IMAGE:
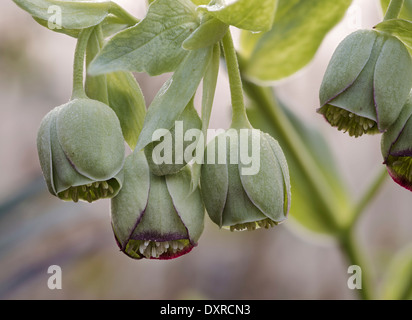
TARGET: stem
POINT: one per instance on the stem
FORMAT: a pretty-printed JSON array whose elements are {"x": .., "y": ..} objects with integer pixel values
[
  {"x": 368, "y": 196},
  {"x": 348, "y": 243},
  {"x": 78, "y": 66},
  {"x": 239, "y": 117},
  {"x": 394, "y": 9},
  {"x": 348, "y": 240}
]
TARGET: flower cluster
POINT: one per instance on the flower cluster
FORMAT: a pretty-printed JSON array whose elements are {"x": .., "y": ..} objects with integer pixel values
[{"x": 158, "y": 207}]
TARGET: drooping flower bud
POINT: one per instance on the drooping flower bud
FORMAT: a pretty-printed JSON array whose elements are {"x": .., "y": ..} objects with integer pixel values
[
  {"x": 245, "y": 180},
  {"x": 156, "y": 217},
  {"x": 81, "y": 151},
  {"x": 397, "y": 148},
  {"x": 177, "y": 146},
  {"x": 366, "y": 83}
]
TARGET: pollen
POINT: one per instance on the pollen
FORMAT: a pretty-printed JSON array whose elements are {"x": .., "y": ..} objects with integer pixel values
[{"x": 349, "y": 122}]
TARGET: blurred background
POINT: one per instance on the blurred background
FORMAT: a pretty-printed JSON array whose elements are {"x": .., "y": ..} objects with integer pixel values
[{"x": 37, "y": 230}]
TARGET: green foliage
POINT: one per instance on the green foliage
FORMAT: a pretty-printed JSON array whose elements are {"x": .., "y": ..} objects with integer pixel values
[
  {"x": 154, "y": 45},
  {"x": 157, "y": 211},
  {"x": 254, "y": 15},
  {"x": 298, "y": 30},
  {"x": 75, "y": 14}
]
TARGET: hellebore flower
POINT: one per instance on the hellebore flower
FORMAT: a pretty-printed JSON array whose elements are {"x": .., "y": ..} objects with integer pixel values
[
  {"x": 245, "y": 191},
  {"x": 366, "y": 83},
  {"x": 397, "y": 148},
  {"x": 175, "y": 150},
  {"x": 156, "y": 217},
  {"x": 81, "y": 151}
]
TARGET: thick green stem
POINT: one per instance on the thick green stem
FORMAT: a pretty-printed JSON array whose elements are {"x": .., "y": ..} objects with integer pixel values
[
  {"x": 369, "y": 195},
  {"x": 239, "y": 117},
  {"x": 78, "y": 66},
  {"x": 348, "y": 242},
  {"x": 350, "y": 246},
  {"x": 394, "y": 9}
]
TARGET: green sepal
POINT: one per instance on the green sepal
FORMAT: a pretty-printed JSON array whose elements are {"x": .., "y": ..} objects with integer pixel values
[
  {"x": 347, "y": 62},
  {"x": 269, "y": 188},
  {"x": 129, "y": 205},
  {"x": 188, "y": 120},
  {"x": 188, "y": 203},
  {"x": 90, "y": 136}
]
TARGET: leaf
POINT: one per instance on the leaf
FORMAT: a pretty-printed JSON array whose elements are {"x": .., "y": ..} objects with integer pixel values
[
  {"x": 110, "y": 25},
  {"x": 397, "y": 284},
  {"x": 126, "y": 99},
  {"x": 306, "y": 209},
  {"x": 154, "y": 45},
  {"x": 253, "y": 15},
  {"x": 209, "y": 90},
  {"x": 174, "y": 95},
  {"x": 398, "y": 28},
  {"x": 299, "y": 29},
  {"x": 406, "y": 12},
  {"x": 74, "y": 14},
  {"x": 207, "y": 34}
]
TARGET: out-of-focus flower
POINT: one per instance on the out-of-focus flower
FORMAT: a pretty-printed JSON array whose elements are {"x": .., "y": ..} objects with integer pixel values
[
  {"x": 366, "y": 83},
  {"x": 397, "y": 148}
]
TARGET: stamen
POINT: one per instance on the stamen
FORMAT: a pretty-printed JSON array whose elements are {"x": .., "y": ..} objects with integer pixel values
[
  {"x": 349, "y": 122},
  {"x": 75, "y": 195}
]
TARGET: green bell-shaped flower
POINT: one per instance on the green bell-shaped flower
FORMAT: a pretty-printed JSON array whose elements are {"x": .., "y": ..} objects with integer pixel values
[
  {"x": 245, "y": 180},
  {"x": 81, "y": 151},
  {"x": 397, "y": 148},
  {"x": 177, "y": 146},
  {"x": 366, "y": 83},
  {"x": 156, "y": 217}
]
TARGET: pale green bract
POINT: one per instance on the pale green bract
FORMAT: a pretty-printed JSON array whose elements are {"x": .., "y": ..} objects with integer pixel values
[
  {"x": 399, "y": 28},
  {"x": 253, "y": 15},
  {"x": 406, "y": 12},
  {"x": 299, "y": 29},
  {"x": 154, "y": 45},
  {"x": 175, "y": 95}
]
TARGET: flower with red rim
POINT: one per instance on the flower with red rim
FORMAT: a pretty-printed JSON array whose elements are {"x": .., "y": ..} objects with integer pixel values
[
  {"x": 156, "y": 217},
  {"x": 397, "y": 148}
]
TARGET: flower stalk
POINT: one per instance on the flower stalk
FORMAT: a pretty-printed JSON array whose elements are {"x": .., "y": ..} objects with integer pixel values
[
  {"x": 78, "y": 66},
  {"x": 239, "y": 117}
]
